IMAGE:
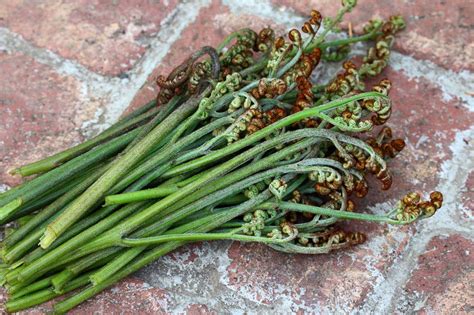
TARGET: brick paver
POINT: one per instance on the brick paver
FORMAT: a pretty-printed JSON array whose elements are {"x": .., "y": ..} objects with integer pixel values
[{"x": 105, "y": 36}]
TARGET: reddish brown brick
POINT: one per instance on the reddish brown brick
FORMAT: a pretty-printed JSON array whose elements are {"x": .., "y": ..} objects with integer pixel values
[
  {"x": 335, "y": 282},
  {"x": 131, "y": 296},
  {"x": 199, "y": 309},
  {"x": 106, "y": 36},
  {"x": 444, "y": 276},
  {"x": 41, "y": 112},
  {"x": 467, "y": 196},
  {"x": 436, "y": 30}
]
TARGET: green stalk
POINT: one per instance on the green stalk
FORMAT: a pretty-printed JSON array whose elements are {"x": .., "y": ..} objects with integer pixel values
[
  {"x": 256, "y": 67},
  {"x": 163, "y": 190},
  {"x": 74, "y": 269},
  {"x": 165, "y": 112},
  {"x": 17, "y": 291},
  {"x": 233, "y": 200},
  {"x": 112, "y": 267},
  {"x": 199, "y": 237},
  {"x": 238, "y": 145},
  {"x": 91, "y": 219},
  {"x": 190, "y": 190},
  {"x": 169, "y": 152},
  {"x": 210, "y": 195},
  {"x": 183, "y": 216},
  {"x": 54, "y": 207},
  {"x": 330, "y": 212},
  {"x": 118, "y": 168},
  {"x": 45, "y": 263},
  {"x": 67, "y": 304},
  {"x": 155, "y": 253},
  {"x": 185, "y": 126},
  {"x": 23, "y": 239},
  {"x": 330, "y": 26},
  {"x": 8, "y": 209},
  {"x": 374, "y": 95},
  {"x": 10, "y": 255},
  {"x": 208, "y": 198},
  {"x": 45, "y": 199},
  {"x": 176, "y": 211},
  {"x": 132, "y": 223},
  {"x": 140, "y": 195},
  {"x": 42, "y": 296},
  {"x": 138, "y": 111},
  {"x": 347, "y": 41}
]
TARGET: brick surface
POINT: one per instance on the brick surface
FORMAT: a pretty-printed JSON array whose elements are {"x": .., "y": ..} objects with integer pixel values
[
  {"x": 314, "y": 282},
  {"x": 199, "y": 309},
  {"x": 467, "y": 197},
  {"x": 444, "y": 276},
  {"x": 440, "y": 31},
  {"x": 40, "y": 112},
  {"x": 105, "y": 36},
  {"x": 127, "y": 297},
  {"x": 229, "y": 277}
]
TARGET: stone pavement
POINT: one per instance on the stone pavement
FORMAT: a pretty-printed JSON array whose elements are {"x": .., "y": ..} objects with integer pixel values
[{"x": 70, "y": 68}]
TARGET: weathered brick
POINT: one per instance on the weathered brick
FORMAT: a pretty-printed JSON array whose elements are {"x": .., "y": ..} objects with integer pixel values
[
  {"x": 444, "y": 276},
  {"x": 467, "y": 197},
  {"x": 132, "y": 296},
  {"x": 105, "y": 36},
  {"x": 335, "y": 282},
  {"x": 199, "y": 309},
  {"x": 436, "y": 30},
  {"x": 41, "y": 112}
]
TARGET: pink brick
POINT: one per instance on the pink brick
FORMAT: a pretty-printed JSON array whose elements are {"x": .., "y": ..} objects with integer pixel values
[
  {"x": 105, "y": 36},
  {"x": 335, "y": 282},
  {"x": 467, "y": 197},
  {"x": 129, "y": 297},
  {"x": 199, "y": 309},
  {"x": 41, "y": 112},
  {"x": 444, "y": 276}
]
